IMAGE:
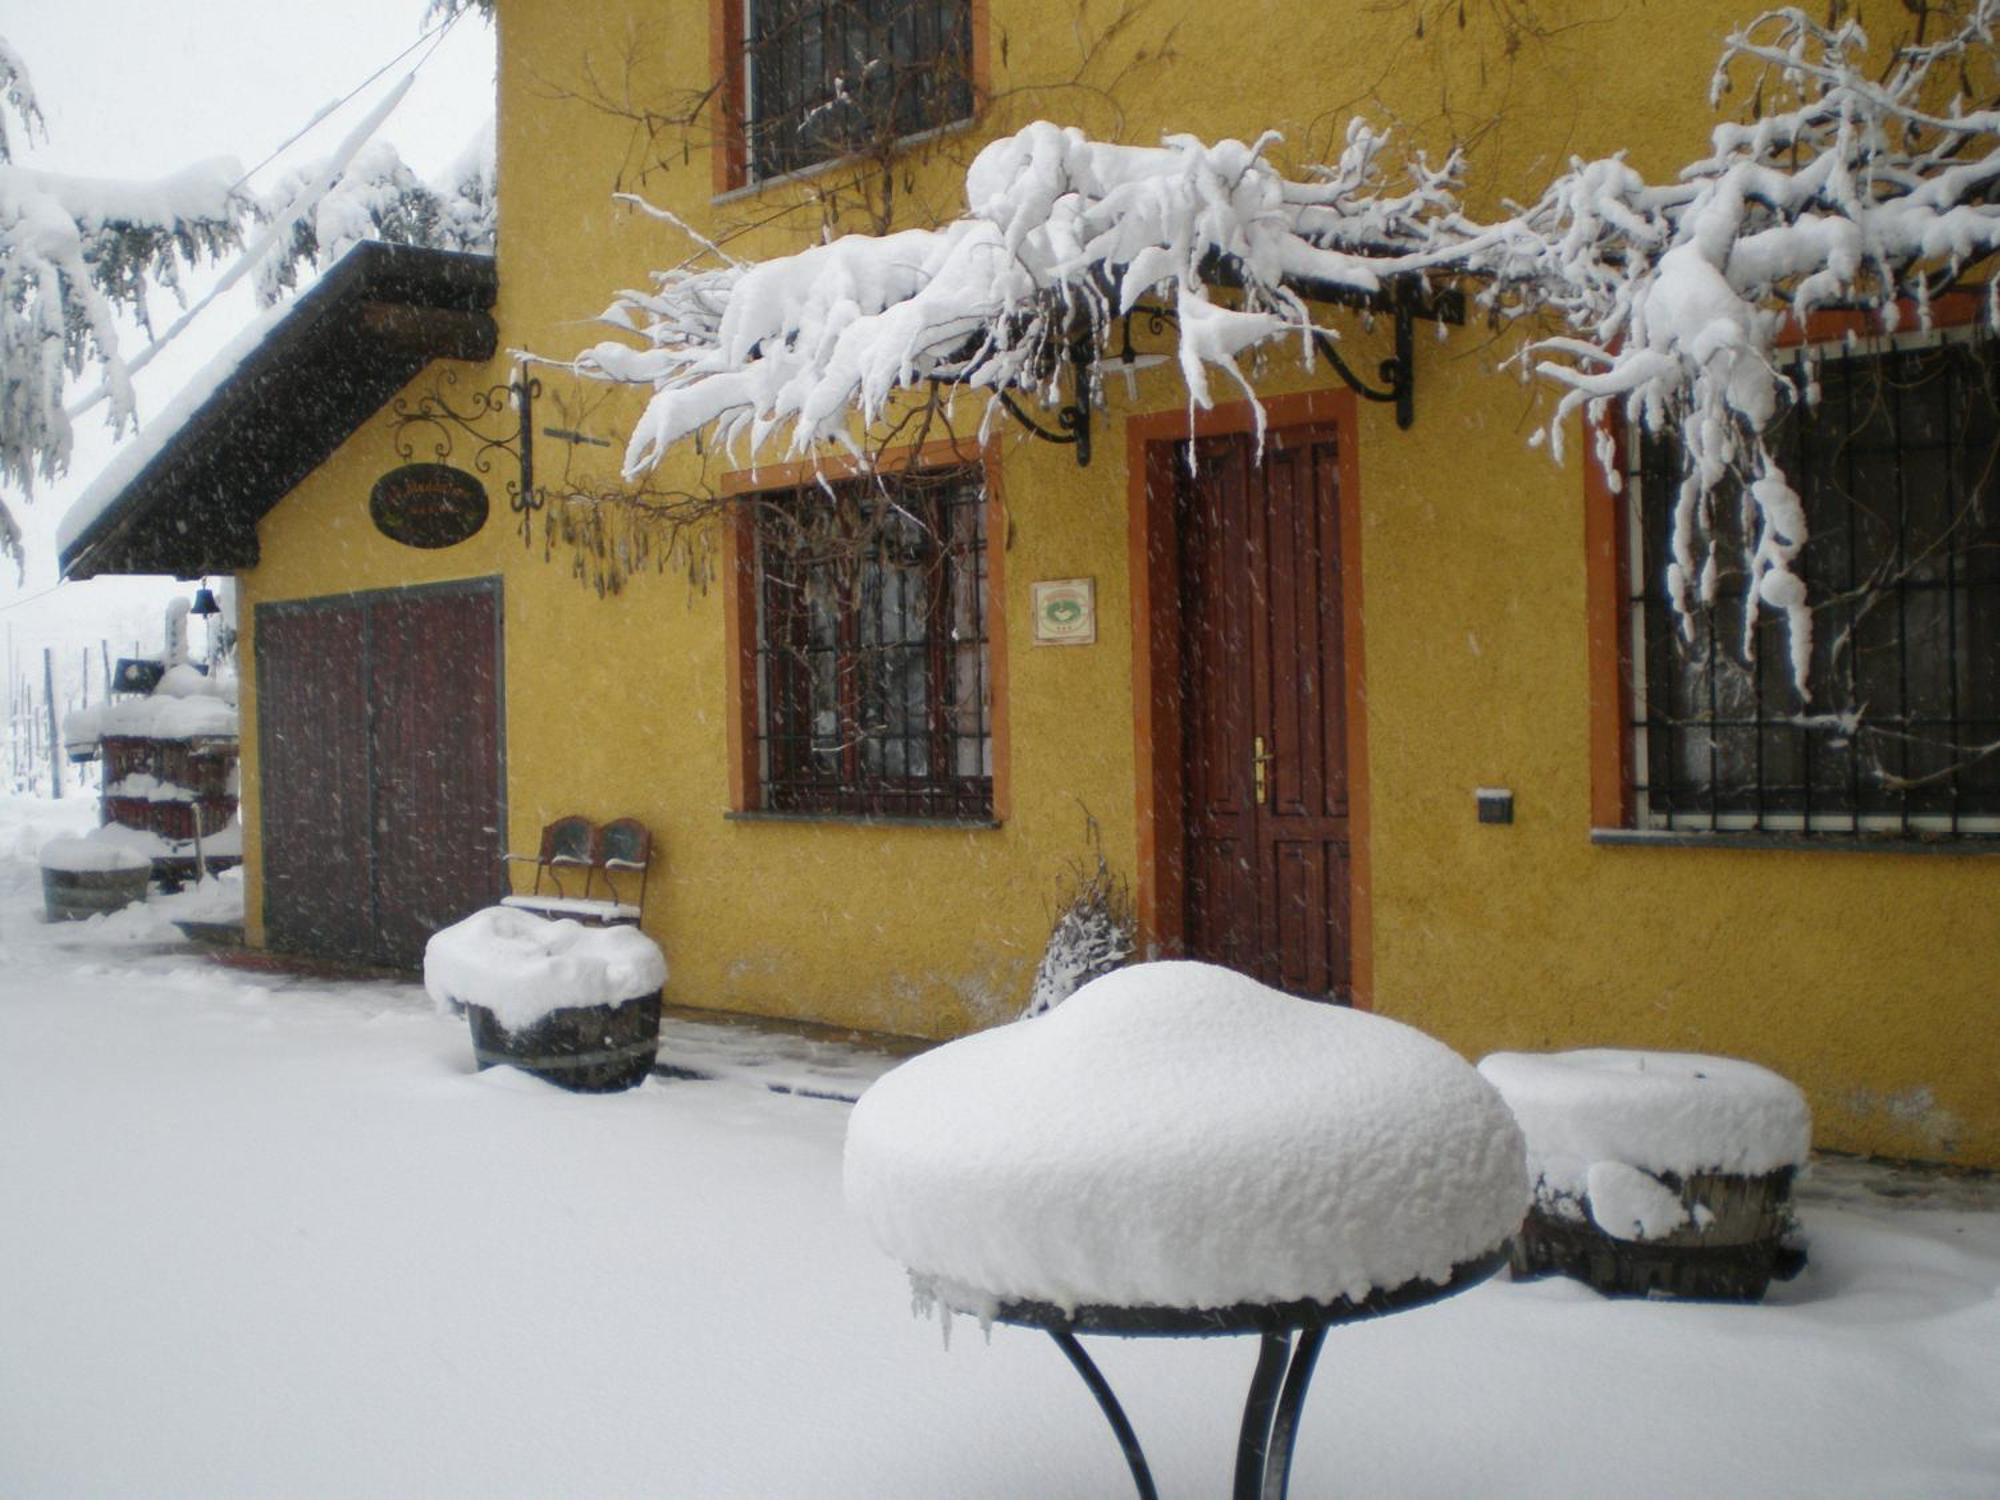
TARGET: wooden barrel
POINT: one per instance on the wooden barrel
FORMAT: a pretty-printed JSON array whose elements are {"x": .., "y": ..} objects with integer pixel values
[
  {"x": 73, "y": 895},
  {"x": 590, "y": 1049},
  {"x": 1737, "y": 1239}
]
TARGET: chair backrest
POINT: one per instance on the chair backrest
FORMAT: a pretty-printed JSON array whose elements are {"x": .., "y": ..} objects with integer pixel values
[
  {"x": 626, "y": 847},
  {"x": 573, "y": 842}
]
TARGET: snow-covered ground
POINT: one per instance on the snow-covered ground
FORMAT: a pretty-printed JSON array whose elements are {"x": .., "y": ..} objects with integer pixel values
[{"x": 263, "y": 1236}]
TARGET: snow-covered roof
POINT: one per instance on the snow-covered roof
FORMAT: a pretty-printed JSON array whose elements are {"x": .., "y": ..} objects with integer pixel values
[{"x": 185, "y": 496}]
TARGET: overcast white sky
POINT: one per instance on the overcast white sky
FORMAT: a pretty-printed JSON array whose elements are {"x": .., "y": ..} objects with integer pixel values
[{"x": 137, "y": 88}]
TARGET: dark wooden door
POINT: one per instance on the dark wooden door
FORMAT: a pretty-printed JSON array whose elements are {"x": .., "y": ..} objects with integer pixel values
[
  {"x": 1264, "y": 722},
  {"x": 382, "y": 787},
  {"x": 435, "y": 726},
  {"x": 312, "y": 757}
]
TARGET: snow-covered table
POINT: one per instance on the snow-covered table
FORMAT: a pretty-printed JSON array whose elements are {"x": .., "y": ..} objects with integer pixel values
[{"x": 1177, "y": 1151}]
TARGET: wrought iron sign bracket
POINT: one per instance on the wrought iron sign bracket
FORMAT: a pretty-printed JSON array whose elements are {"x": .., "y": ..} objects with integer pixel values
[
  {"x": 1406, "y": 300},
  {"x": 498, "y": 418}
]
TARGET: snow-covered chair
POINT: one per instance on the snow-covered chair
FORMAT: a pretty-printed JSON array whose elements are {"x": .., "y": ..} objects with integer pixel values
[
  {"x": 1178, "y": 1150},
  {"x": 1656, "y": 1173},
  {"x": 596, "y": 859}
]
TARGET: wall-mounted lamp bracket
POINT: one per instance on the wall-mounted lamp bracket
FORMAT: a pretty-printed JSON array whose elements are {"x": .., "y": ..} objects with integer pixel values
[
  {"x": 1406, "y": 299},
  {"x": 1073, "y": 417}
]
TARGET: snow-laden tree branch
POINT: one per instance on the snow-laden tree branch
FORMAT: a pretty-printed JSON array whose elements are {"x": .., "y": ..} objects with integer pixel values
[
  {"x": 1851, "y": 187},
  {"x": 81, "y": 255},
  {"x": 324, "y": 209},
  {"x": 75, "y": 253},
  {"x": 1063, "y": 235}
]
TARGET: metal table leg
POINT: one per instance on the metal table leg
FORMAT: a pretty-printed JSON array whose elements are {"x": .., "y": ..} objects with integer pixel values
[
  {"x": 1271, "y": 1413},
  {"x": 1291, "y": 1406},
  {"x": 1113, "y": 1412},
  {"x": 1273, "y": 1352}
]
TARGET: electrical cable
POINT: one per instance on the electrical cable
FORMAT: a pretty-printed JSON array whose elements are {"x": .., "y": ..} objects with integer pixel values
[
  {"x": 31, "y": 598},
  {"x": 435, "y": 36}
]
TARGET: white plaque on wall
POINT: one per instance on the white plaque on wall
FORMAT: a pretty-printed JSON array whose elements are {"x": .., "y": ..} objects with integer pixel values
[{"x": 1066, "y": 612}]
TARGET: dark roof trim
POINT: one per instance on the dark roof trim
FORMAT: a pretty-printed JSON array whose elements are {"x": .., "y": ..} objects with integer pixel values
[{"x": 352, "y": 340}]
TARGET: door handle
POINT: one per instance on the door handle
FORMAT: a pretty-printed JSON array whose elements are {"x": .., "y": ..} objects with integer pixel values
[{"x": 1259, "y": 759}]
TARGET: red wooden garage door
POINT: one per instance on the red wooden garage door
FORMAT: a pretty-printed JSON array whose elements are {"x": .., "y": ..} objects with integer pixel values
[{"x": 381, "y": 771}]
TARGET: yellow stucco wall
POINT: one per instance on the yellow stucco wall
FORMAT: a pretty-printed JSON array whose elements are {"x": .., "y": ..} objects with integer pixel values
[{"x": 1871, "y": 979}]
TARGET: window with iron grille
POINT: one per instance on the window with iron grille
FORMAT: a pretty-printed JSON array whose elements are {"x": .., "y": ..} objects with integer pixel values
[
  {"x": 1898, "y": 464},
  {"x": 828, "y": 78},
  {"x": 874, "y": 694}
]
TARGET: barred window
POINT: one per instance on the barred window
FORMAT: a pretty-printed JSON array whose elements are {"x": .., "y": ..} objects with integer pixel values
[
  {"x": 827, "y": 78},
  {"x": 874, "y": 694},
  {"x": 1899, "y": 468}
]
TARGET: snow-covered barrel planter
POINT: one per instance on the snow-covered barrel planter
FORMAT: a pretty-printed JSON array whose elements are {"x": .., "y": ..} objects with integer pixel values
[
  {"x": 1178, "y": 1136},
  {"x": 1656, "y": 1172},
  {"x": 578, "y": 1006},
  {"x": 85, "y": 877}
]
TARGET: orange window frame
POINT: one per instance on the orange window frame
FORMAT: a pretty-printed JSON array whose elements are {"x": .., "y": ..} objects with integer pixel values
[
  {"x": 730, "y": 155},
  {"x": 739, "y": 602},
  {"x": 1606, "y": 543}
]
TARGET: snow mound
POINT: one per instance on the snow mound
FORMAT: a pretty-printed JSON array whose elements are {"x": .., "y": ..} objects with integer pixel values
[
  {"x": 1677, "y": 1112},
  {"x": 523, "y": 967},
  {"x": 183, "y": 680},
  {"x": 1629, "y": 1204},
  {"x": 91, "y": 856},
  {"x": 163, "y": 716},
  {"x": 1178, "y": 1135}
]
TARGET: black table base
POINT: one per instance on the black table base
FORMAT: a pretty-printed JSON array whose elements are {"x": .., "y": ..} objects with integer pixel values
[{"x": 1290, "y": 1335}]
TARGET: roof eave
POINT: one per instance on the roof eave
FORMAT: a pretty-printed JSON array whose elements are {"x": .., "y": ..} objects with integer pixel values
[{"x": 349, "y": 343}]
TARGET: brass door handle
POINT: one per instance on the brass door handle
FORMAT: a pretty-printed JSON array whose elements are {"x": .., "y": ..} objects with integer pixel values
[{"x": 1259, "y": 759}]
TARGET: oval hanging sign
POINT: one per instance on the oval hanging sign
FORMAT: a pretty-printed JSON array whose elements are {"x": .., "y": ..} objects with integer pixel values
[{"x": 428, "y": 505}]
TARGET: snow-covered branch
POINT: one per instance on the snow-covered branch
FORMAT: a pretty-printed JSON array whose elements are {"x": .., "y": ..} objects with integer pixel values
[
  {"x": 1856, "y": 187},
  {"x": 316, "y": 213},
  {"x": 75, "y": 252},
  {"x": 1063, "y": 235},
  {"x": 1864, "y": 178},
  {"x": 17, "y": 98}
]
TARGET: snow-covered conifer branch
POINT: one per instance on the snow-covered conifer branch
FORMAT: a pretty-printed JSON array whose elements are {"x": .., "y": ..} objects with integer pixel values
[
  {"x": 1063, "y": 236},
  {"x": 316, "y": 213},
  {"x": 74, "y": 253},
  {"x": 17, "y": 98}
]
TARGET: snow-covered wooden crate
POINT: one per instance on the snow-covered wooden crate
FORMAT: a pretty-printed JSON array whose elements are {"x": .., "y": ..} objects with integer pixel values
[
  {"x": 1656, "y": 1172},
  {"x": 578, "y": 1006}
]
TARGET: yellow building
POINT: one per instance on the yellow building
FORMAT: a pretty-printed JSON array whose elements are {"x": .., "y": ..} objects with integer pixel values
[{"x": 1364, "y": 711}]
